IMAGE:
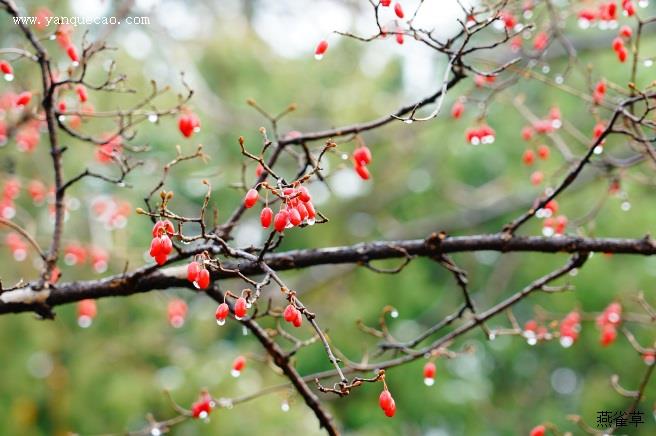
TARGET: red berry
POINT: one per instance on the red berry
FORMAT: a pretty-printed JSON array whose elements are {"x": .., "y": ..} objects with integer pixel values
[
  {"x": 241, "y": 308},
  {"x": 457, "y": 109},
  {"x": 23, "y": 98},
  {"x": 618, "y": 44},
  {"x": 298, "y": 320},
  {"x": 280, "y": 220},
  {"x": 538, "y": 431},
  {"x": 294, "y": 216},
  {"x": 86, "y": 312},
  {"x": 600, "y": 87},
  {"x": 361, "y": 156},
  {"x": 203, "y": 280},
  {"x": 622, "y": 54},
  {"x": 304, "y": 194},
  {"x": 259, "y": 170},
  {"x": 429, "y": 370},
  {"x": 302, "y": 210},
  {"x": 391, "y": 411},
  {"x": 552, "y": 205},
  {"x": 81, "y": 91},
  {"x": 162, "y": 227},
  {"x": 608, "y": 335},
  {"x": 626, "y": 31},
  {"x": 629, "y": 8},
  {"x": 362, "y": 171},
  {"x": 177, "y": 311},
  {"x": 543, "y": 152},
  {"x": 385, "y": 400},
  {"x": 72, "y": 53},
  {"x": 222, "y": 313},
  {"x": 598, "y": 130},
  {"x": 385, "y": 3},
  {"x": 310, "y": 210},
  {"x": 5, "y": 68},
  {"x": 321, "y": 49},
  {"x": 188, "y": 123},
  {"x": 536, "y": 178},
  {"x": 289, "y": 313},
  {"x": 541, "y": 41},
  {"x": 238, "y": 366},
  {"x": 528, "y": 157},
  {"x": 398, "y": 10},
  {"x": 192, "y": 271},
  {"x": 265, "y": 217},
  {"x": 399, "y": 38},
  {"x": 251, "y": 198},
  {"x": 527, "y": 133}
]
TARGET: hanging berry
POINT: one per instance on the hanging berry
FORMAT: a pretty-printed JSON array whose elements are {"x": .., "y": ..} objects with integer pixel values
[
  {"x": 238, "y": 366},
  {"x": 202, "y": 408},
  {"x": 188, "y": 124},
  {"x": 398, "y": 10},
  {"x": 251, "y": 198},
  {"x": 539, "y": 430},
  {"x": 241, "y": 308},
  {"x": 321, "y": 49},
  {"x": 386, "y": 402},
  {"x": 429, "y": 373},
  {"x": 86, "y": 312},
  {"x": 177, "y": 312},
  {"x": 266, "y": 216},
  {"x": 222, "y": 313}
]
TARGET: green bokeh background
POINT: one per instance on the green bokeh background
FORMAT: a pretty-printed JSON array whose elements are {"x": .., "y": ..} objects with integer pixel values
[{"x": 57, "y": 377}]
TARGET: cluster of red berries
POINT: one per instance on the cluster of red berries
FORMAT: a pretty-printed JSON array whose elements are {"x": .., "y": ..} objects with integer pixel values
[
  {"x": 608, "y": 321},
  {"x": 198, "y": 274},
  {"x": 533, "y": 332},
  {"x": 618, "y": 43},
  {"x": 177, "y": 312},
  {"x": 188, "y": 124},
  {"x": 77, "y": 254},
  {"x": 362, "y": 158},
  {"x": 386, "y": 402},
  {"x": 106, "y": 152},
  {"x": 63, "y": 36},
  {"x": 86, "y": 312},
  {"x": 240, "y": 310},
  {"x": 483, "y": 134},
  {"x": 292, "y": 315},
  {"x": 202, "y": 407},
  {"x": 542, "y": 152},
  {"x": 570, "y": 327},
  {"x": 297, "y": 208},
  {"x": 554, "y": 225},
  {"x": 161, "y": 245}
]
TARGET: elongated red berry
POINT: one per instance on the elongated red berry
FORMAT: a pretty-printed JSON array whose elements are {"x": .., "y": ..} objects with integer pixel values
[
  {"x": 626, "y": 31},
  {"x": 539, "y": 430},
  {"x": 162, "y": 227},
  {"x": 399, "y": 38},
  {"x": 362, "y": 171},
  {"x": 265, "y": 217},
  {"x": 222, "y": 313},
  {"x": 608, "y": 335},
  {"x": 429, "y": 373},
  {"x": 361, "y": 156},
  {"x": 385, "y": 3},
  {"x": 238, "y": 366},
  {"x": 457, "y": 109},
  {"x": 280, "y": 220},
  {"x": 86, "y": 312},
  {"x": 23, "y": 98},
  {"x": 289, "y": 313},
  {"x": 321, "y": 49},
  {"x": 5, "y": 68},
  {"x": 618, "y": 44},
  {"x": 304, "y": 194},
  {"x": 385, "y": 400},
  {"x": 298, "y": 320},
  {"x": 192, "y": 271},
  {"x": 81, "y": 91},
  {"x": 71, "y": 51},
  {"x": 398, "y": 10},
  {"x": 203, "y": 280},
  {"x": 241, "y": 308},
  {"x": 251, "y": 198},
  {"x": 294, "y": 216},
  {"x": 622, "y": 54}
]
